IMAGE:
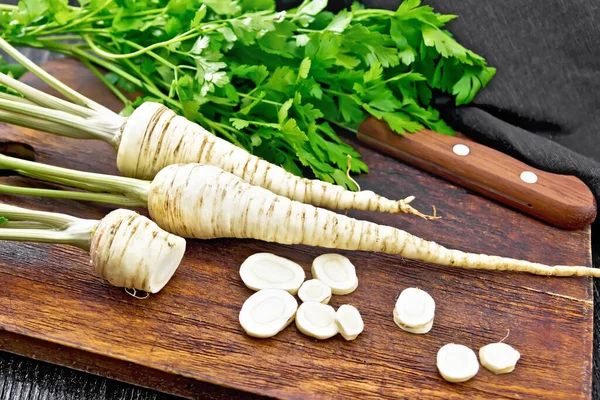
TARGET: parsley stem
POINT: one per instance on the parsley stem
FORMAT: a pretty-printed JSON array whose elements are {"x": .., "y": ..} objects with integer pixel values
[
  {"x": 150, "y": 53},
  {"x": 15, "y": 214},
  {"x": 83, "y": 19},
  {"x": 369, "y": 13},
  {"x": 180, "y": 38},
  {"x": 73, "y": 95},
  {"x": 8, "y": 7},
  {"x": 78, "y": 32},
  {"x": 335, "y": 92},
  {"x": 103, "y": 79},
  {"x": 125, "y": 191},
  {"x": 24, "y": 225},
  {"x": 275, "y": 103},
  {"x": 113, "y": 199},
  {"x": 222, "y": 128},
  {"x": 43, "y": 125},
  {"x": 75, "y": 51},
  {"x": 59, "y": 38},
  {"x": 46, "y": 236},
  {"x": 144, "y": 77},
  {"x": 309, "y": 30},
  {"x": 125, "y": 75}
]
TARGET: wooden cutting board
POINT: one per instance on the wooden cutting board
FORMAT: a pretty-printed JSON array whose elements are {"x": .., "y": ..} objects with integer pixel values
[{"x": 186, "y": 340}]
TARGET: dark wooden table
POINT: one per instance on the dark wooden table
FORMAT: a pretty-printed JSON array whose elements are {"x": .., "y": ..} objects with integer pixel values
[{"x": 23, "y": 378}]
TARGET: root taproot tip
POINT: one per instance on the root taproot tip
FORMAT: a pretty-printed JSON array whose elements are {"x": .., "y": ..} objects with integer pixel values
[{"x": 404, "y": 207}]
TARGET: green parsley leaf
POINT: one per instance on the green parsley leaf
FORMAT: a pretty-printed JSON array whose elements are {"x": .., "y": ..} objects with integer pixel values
[
  {"x": 304, "y": 69},
  {"x": 282, "y": 114},
  {"x": 340, "y": 22},
  {"x": 305, "y": 13},
  {"x": 350, "y": 110},
  {"x": 199, "y": 16},
  {"x": 258, "y": 5},
  {"x": 224, "y": 7},
  {"x": 374, "y": 73},
  {"x": 401, "y": 123}
]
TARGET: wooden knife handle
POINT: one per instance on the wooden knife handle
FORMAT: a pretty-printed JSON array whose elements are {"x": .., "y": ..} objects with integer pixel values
[{"x": 561, "y": 200}]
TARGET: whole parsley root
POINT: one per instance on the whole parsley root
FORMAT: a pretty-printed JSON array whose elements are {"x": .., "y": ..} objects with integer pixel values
[
  {"x": 205, "y": 202},
  {"x": 126, "y": 249},
  {"x": 154, "y": 136},
  {"x": 272, "y": 83}
]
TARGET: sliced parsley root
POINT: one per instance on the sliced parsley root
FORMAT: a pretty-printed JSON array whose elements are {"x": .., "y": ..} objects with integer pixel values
[
  {"x": 204, "y": 202},
  {"x": 499, "y": 358},
  {"x": 349, "y": 321},
  {"x": 457, "y": 363},
  {"x": 154, "y": 137},
  {"x": 315, "y": 290},
  {"x": 316, "y": 320},
  {"x": 267, "y": 312},
  {"x": 268, "y": 271},
  {"x": 414, "y": 311},
  {"x": 126, "y": 249},
  {"x": 336, "y": 271}
]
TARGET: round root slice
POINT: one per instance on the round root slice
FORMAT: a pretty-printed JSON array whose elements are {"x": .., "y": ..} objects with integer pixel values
[
  {"x": 316, "y": 320},
  {"x": 414, "y": 308},
  {"x": 349, "y": 321},
  {"x": 420, "y": 329},
  {"x": 337, "y": 272},
  {"x": 267, "y": 312},
  {"x": 499, "y": 358},
  {"x": 268, "y": 271},
  {"x": 457, "y": 363},
  {"x": 130, "y": 251},
  {"x": 314, "y": 290}
]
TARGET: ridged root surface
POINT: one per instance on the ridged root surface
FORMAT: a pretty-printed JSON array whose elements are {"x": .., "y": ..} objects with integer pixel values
[
  {"x": 201, "y": 201},
  {"x": 131, "y": 251},
  {"x": 155, "y": 136}
]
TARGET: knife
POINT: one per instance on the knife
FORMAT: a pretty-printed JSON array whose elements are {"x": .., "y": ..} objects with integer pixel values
[{"x": 560, "y": 200}]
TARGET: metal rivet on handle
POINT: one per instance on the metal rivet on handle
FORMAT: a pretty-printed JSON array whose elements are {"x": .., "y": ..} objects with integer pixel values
[
  {"x": 528, "y": 177},
  {"x": 461, "y": 149}
]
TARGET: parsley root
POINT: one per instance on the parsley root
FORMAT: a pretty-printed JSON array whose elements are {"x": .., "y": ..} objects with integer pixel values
[
  {"x": 126, "y": 249},
  {"x": 205, "y": 202},
  {"x": 154, "y": 136}
]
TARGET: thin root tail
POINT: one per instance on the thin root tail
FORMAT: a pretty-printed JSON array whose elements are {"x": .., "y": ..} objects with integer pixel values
[{"x": 404, "y": 207}]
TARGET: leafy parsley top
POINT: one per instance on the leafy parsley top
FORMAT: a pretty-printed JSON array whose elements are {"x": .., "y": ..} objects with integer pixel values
[{"x": 270, "y": 82}]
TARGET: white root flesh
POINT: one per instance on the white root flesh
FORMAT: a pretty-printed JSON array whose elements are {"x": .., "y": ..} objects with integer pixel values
[
  {"x": 414, "y": 311},
  {"x": 457, "y": 363},
  {"x": 316, "y": 320},
  {"x": 267, "y": 312},
  {"x": 337, "y": 272},
  {"x": 314, "y": 290},
  {"x": 204, "y": 202},
  {"x": 499, "y": 358},
  {"x": 155, "y": 136},
  {"x": 269, "y": 271},
  {"x": 349, "y": 321},
  {"x": 420, "y": 330},
  {"x": 130, "y": 251}
]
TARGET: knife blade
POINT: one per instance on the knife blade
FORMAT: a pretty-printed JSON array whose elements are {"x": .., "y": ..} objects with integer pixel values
[{"x": 560, "y": 200}]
